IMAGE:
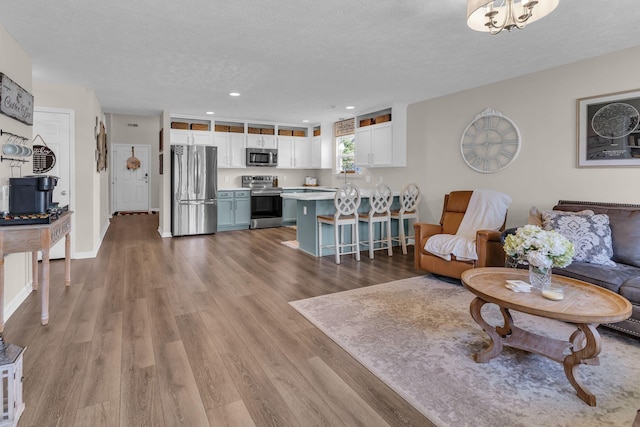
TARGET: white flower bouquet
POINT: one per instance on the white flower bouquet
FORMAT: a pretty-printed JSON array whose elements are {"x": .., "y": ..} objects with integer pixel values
[{"x": 540, "y": 248}]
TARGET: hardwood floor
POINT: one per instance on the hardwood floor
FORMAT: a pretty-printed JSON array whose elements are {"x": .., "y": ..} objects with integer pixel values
[{"x": 197, "y": 331}]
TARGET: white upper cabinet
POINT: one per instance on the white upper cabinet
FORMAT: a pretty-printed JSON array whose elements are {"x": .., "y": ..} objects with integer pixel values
[
  {"x": 261, "y": 136},
  {"x": 316, "y": 153},
  {"x": 322, "y": 152},
  {"x": 294, "y": 148},
  {"x": 231, "y": 149},
  {"x": 294, "y": 152},
  {"x": 261, "y": 141},
  {"x": 302, "y": 152},
  {"x": 382, "y": 144},
  {"x": 180, "y": 137},
  {"x": 381, "y": 138},
  {"x": 191, "y": 137},
  {"x": 285, "y": 152},
  {"x": 374, "y": 145},
  {"x": 187, "y": 131}
]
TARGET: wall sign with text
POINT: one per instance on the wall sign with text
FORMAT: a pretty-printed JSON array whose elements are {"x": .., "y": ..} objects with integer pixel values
[
  {"x": 44, "y": 159},
  {"x": 15, "y": 102}
]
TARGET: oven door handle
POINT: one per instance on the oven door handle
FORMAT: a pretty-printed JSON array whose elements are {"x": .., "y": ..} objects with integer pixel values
[{"x": 266, "y": 193}]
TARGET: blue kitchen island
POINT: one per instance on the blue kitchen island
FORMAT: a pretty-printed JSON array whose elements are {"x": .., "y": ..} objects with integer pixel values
[{"x": 314, "y": 203}]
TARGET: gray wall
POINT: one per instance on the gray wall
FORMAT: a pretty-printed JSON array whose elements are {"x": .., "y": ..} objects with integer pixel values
[
  {"x": 15, "y": 63},
  {"x": 543, "y": 105}
]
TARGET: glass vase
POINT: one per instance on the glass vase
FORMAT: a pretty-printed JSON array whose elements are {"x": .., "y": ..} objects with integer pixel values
[{"x": 539, "y": 278}]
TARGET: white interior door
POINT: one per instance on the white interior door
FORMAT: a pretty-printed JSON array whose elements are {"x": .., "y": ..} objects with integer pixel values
[
  {"x": 131, "y": 189},
  {"x": 55, "y": 127}
]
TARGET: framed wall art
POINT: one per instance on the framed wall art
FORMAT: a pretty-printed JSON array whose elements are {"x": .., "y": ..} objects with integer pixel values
[
  {"x": 101, "y": 149},
  {"x": 15, "y": 102},
  {"x": 609, "y": 130}
]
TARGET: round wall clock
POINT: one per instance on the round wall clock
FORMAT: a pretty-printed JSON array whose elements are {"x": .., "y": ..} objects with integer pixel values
[{"x": 490, "y": 143}]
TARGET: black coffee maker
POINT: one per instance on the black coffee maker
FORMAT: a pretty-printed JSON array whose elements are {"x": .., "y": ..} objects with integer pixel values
[{"x": 31, "y": 194}]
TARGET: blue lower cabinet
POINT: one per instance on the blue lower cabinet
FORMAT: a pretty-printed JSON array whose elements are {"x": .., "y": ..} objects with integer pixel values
[
  {"x": 234, "y": 210},
  {"x": 289, "y": 209}
]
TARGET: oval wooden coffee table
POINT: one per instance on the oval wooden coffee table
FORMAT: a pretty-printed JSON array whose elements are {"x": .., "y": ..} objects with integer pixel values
[{"x": 584, "y": 305}]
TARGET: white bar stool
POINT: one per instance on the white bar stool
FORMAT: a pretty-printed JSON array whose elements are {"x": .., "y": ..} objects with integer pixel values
[
  {"x": 409, "y": 199},
  {"x": 347, "y": 202},
  {"x": 379, "y": 213}
]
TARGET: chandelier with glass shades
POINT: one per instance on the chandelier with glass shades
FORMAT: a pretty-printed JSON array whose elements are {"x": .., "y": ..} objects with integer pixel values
[{"x": 493, "y": 16}]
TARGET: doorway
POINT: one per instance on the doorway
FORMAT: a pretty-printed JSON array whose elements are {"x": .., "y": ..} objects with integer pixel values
[
  {"x": 131, "y": 185},
  {"x": 56, "y": 130}
]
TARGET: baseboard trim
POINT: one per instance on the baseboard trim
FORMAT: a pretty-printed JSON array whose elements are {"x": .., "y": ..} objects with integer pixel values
[
  {"x": 85, "y": 255},
  {"x": 94, "y": 253},
  {"x": 13, "y": 305},
  {"x": 164, "y": 234}
]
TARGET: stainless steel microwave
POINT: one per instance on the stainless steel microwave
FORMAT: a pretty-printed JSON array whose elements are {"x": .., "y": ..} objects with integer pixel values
[{"x": 262, "y": 157}]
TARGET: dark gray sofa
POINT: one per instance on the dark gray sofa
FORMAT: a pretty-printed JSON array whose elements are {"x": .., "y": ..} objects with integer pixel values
[{"x": 624, "y": 278}]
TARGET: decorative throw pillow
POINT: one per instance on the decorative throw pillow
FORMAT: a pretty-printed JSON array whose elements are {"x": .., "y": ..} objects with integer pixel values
[
  {"x": 535, "y": 215},
  {"x": 590, "y": 234}
]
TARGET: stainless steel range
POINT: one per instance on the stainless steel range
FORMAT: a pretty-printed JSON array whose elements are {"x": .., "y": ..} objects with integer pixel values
[{"x": 266, "y": 203}]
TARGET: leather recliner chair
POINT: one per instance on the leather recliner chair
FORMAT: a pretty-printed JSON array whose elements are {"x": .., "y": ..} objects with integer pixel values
[{"x": 454, "y": 208}]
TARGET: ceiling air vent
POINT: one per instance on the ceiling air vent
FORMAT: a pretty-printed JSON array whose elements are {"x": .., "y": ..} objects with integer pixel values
[{"x": 132, "y": 125}]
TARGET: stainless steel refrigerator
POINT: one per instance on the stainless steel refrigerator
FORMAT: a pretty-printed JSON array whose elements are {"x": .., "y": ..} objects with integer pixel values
[{"x": 194, "y": 189}]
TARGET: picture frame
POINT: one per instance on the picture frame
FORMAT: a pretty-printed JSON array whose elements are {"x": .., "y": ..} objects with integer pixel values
[
  {"x": 161, "y": 142},
  {"x": 608, "y": 133},
  {"x": 161, "y": 166},
  {"x": 15, "y": 102}
]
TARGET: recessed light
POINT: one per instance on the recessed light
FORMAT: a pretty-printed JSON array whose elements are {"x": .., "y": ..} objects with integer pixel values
[
  {"x": 210, "y": 112},
  {"x": 305, "y": 121},
  {"x": 234, "y": 94},
  {"x": 350, "y": 107}
]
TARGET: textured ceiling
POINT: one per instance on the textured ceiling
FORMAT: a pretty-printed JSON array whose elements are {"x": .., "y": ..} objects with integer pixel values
[{"x": 294, "y": 59}]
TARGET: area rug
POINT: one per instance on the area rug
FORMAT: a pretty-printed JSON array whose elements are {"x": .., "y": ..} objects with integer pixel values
[
  {"x": 291, "y": 243},
  {"x": 418, "y": 337}
]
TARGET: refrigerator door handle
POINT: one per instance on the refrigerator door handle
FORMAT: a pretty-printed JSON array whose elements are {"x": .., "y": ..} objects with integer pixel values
[
  {"x": 178, "y": 189},
  {"x": 196, "y": 172}
]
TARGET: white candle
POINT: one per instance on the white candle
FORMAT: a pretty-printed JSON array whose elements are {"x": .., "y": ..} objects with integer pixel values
[{"x": 552, "y": 294}]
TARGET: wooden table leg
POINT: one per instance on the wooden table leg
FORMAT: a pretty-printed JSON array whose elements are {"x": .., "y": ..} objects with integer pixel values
[
  {"x": 45, "y": 286},
  {"x": 67, "y": 259},
  {"x": 34, "y": 270},
  {"x": 495, "y": 348},
  {"x": 2, "y": 346},
  {"x": 505, "y": 329},
  {"x": 584, "y": 354}
]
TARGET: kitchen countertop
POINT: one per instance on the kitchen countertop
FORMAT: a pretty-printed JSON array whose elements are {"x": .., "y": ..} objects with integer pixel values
[
  {"x": 309, "y": 188},
  {"x": 326, "y": 195},
  {"x": 294, "y": 188},
  {"x": 312, "y": 195}
]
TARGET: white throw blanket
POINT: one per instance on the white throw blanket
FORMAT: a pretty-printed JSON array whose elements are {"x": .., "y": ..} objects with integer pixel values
[{"x": 486, "y": 211}]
